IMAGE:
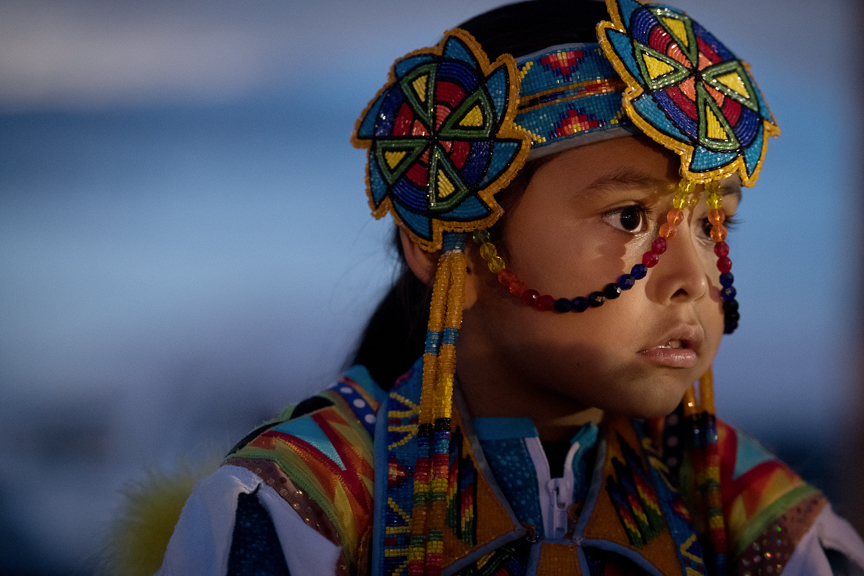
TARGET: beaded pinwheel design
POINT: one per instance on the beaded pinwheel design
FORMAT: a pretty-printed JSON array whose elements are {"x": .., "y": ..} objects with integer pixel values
[
  {"x": 687, "y": 91},
  {"x": 441, "y": 139}
]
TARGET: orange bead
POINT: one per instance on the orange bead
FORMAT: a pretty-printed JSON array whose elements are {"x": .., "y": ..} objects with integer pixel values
[
  {"x": 517, "y": 288},
  {"x": 667, "y": 231},
  {"x": 506, "y": 277},
  {"x": 718, "y": 233},
  {"x": 716, "y": 217},
  {"x": 674, "y": 217}
]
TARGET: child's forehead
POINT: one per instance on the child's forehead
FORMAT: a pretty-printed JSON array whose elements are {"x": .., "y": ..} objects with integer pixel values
[{"x": 625, "y": 163}]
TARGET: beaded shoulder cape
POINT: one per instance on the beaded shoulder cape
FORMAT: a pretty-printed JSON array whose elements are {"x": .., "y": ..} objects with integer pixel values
[{"x": 343, "y": 460}]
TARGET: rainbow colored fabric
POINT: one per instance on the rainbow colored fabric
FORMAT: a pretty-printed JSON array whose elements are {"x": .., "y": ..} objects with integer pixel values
[{"x": 321, "y": 463}]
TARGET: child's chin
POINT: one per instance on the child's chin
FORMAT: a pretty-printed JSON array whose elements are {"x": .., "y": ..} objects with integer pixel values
[{"x": 657, "y": 406}]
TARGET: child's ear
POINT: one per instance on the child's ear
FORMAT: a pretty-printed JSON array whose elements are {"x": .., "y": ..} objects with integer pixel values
[{"x": 423, "y": 264}]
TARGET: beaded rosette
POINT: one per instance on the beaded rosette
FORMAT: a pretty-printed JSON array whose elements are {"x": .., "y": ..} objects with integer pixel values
[
  {"x": 441, "y": 139},
  {"x": 687, "y": 91}
]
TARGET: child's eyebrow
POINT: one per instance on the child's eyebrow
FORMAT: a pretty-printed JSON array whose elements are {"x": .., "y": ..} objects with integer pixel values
[
  {"x": 626, "y": 179},
  {"x": 731, "y": 187}
]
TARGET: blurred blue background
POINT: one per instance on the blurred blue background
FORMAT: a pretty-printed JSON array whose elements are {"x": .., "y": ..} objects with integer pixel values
[{"x": 186, "y": 247}]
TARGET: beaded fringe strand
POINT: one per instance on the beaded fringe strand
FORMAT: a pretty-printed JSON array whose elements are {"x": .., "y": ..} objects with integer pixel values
[
  {"x": 432, "y": 467},
  {"x": 706, "y": 468}
]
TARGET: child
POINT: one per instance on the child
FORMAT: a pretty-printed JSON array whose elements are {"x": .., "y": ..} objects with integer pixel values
[{"x": 558, "y": 442}]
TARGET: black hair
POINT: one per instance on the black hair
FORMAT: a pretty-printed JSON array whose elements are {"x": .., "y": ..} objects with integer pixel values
[{"x": 395, "y": 334}]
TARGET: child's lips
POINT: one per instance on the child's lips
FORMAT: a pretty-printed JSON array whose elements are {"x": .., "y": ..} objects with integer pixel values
[{"x": 678, "y": 348}]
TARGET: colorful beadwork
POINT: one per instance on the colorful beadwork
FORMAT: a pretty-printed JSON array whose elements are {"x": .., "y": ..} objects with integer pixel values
[
  {"x": 441, "y": 139},
  {"x": 687, "y": 91},
  {"x": 705, "y": 459},
  {"x": 611, "y": 291},
  {"x": 568, "y": 92}
]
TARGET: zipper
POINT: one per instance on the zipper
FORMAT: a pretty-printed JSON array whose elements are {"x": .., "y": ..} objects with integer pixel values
[
  {"x": 556, "y": 494},
  {"x": 560, "y": 494}
]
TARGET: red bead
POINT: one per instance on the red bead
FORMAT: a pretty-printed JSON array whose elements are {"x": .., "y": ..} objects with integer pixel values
[
  {"x": 659, "y": 246},
  {"x": 545, "y": 303},
  {"x": 517, "y": 288},
  {"x": 650, "y": 259},
  {"x": 506, "y": 277},
  {"x": 721, "y": 249},
  {"x": 724, "y": 264},
  {"x": 529, "y": 297}
]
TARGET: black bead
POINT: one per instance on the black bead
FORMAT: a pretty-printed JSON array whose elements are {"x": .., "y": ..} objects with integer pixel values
[
  {"x": 442, "y": 425},
  {"x": 563, "y": 305},
  {"x": 612, "y": 291},
  {"x": 732, "y": 316},
  {"x": 730, "y": 306},
  {"x": 580, "y": 304},
  {"x": 730, "y": 327},
  {"x": 596, "y": 299}
]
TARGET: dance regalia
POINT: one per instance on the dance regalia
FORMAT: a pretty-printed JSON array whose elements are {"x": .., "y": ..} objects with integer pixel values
[
  {"x": 328, "y": 489},
  {"x": 406, "y": 483}
]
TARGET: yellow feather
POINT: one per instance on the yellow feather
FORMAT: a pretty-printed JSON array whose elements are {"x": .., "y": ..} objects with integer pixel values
[{"x": 139, "y": 533}]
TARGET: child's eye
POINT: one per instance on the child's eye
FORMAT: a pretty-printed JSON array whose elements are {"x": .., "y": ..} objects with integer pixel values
[{"x": 631, "y": 219}]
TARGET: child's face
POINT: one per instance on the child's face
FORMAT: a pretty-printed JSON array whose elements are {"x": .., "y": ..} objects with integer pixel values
[{"x": 587, "y": 217}]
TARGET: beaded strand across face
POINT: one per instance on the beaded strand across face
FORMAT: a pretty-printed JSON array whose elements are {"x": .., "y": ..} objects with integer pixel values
[{"x": 683, "y": 199}]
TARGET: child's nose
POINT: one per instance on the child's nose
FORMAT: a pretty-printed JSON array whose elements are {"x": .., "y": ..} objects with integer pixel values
[{"x": 681, "y": 273}]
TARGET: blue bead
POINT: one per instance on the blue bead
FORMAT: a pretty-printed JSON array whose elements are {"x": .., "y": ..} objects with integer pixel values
[
  {"x": 563, "y": 305},
  {"x": 726, "y": 279},
  {"x": 639, "y": 271},
  {"x": 580, "y": 304},
  {"x": 626, "y": 281},
  {"x": 728, "y": 293}
]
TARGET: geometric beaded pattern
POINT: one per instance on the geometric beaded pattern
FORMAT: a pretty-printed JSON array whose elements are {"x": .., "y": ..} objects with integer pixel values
[
  {"x": 468, "y": 493},
  {"x": 639, "y": 506},
  {"x": 687, "y": 91},
  {"x": 441, "y": 140},
  {"x": 566, "y": 92}
]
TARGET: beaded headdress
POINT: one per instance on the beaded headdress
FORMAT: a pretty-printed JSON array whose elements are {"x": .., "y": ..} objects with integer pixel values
[{"x": 450, "y": 129}]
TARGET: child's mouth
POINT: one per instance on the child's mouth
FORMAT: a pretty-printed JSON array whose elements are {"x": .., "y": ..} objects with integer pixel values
[
  {"x": 674, "y": 345},
  {"x": 677, "y": 349}
]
